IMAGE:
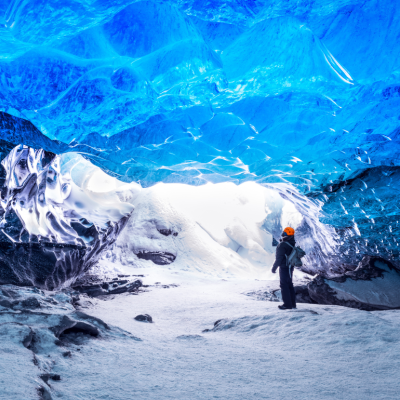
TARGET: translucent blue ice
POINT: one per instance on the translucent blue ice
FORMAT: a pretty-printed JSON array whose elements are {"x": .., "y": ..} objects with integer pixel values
[{"x": 295, "y": 91}]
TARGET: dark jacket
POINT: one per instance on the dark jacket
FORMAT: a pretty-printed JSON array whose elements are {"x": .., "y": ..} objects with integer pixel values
[{"x": 282, "y": 251}]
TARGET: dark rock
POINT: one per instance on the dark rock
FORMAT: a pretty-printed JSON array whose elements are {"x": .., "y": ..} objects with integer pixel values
[
  {"x": 30, "y": 302},
  {"x": 66, "y": 354},
  {"x": 5, "y": 303},
  {"x": 93, "y": 320},
  {"x": 68, "y": 325},
  {"x": 216, "y": 325},
  {"x": 108, "y": 288},
  {"x": 158, "y": 257},
  {"x": 165, "y": 232},
  {"x": 92, "y": 291},
  {"x": 374, "y": 285},
  {"x": 44, "y": 393},
  {"x": 46, "y": 377},
  {"x": 128, "y": 287},
  {"x": 27, "y": 342},
  {"x": 302, "y": 295},
  {"x": 144, "y": 318}
]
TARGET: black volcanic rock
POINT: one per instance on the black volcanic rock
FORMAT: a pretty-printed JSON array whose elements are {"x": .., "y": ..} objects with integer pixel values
[
  {"x": 144, "y": 318},
  {"x": 158, "y": 257},
  {"x": 52, "y": 265},
  {"x": 374, "y": 285}
]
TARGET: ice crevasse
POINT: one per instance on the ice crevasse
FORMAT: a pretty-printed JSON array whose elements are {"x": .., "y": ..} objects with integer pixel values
[{"x": 259, "y": 106}]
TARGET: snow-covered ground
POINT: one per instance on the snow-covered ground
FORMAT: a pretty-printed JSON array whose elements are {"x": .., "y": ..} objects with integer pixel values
[{"x": 255, "y": 352}]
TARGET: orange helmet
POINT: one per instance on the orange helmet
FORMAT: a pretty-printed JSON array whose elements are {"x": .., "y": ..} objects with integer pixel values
[{"x": 289, "y": 231}]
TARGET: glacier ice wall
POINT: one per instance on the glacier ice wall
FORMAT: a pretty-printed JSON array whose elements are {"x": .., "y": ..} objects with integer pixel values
[
  {"x": 54, "y": 224},
  {"x": 39, "y": 190},
  {"x": 293, "y": 92}
]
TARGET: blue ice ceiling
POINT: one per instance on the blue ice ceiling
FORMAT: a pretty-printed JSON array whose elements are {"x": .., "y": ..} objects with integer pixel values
[
  {"x": 302, "y": 91},
  {"x": 294, "y": 91}
]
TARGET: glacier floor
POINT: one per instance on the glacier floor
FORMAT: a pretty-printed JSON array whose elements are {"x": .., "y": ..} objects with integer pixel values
[{"x": 258, "y": 352}]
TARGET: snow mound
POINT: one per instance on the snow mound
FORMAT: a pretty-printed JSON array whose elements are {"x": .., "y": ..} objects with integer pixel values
[{"x": 322, "y": 325}]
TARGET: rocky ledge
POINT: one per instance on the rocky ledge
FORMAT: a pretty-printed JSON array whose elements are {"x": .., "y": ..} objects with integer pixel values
[
  {"x": 40, "y": 331},
  {"x": 374, "y": 285}
]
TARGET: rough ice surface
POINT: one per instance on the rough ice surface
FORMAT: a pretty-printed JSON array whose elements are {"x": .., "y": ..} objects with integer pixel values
[
  {"x": 53, "y": 226},
  {"x": 373, "y": 285},
  {"x": 102, "y": 351},
  {"x": 295, "y": 92},
  {"x": 382, "y": 291},
  {"x": 251, "y": 351},
  {"x": 42, "y": 190},
  {"x": 288, "y": 91},
  {"x": 216, "y": 229}
]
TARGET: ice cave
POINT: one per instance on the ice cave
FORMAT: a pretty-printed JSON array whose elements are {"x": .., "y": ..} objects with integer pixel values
[{"x": 153, "y": 153}]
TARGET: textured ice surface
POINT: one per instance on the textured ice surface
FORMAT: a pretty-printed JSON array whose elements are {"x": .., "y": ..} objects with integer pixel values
[
  {"x": 295, "y": 92},
  {"x": 285, "y": 91},
  {"x": 54, "y": 227},
  {"x": 53, "y": 199},
  {"x": 38, "y": 330},
  {"x": 380, "y": 291},
  {"x": 247, "y": 350},
  {"x": 373, "y": 285}
]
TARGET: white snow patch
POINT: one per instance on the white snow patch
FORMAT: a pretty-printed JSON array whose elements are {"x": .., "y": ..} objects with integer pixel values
[{"x": 218, "y": 227}]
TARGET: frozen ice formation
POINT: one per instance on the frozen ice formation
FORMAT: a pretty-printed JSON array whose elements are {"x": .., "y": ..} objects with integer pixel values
[
  {"x": 223, "y": 230},
  {"x": 293, "y": 92},
  {"x": 52, "y": 230},
  {"x": 199, "y": 92},
  {"x": 48, "y": 202},
  {"x": 62, "y": 213}
]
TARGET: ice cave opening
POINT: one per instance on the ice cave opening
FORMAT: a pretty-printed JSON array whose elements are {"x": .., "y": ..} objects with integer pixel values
[
  {"x": 149, "y": 145},
  {"x": 219, "y": 229}
]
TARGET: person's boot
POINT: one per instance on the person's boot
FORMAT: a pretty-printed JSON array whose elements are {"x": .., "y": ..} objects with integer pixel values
[{"x": 283, "y": 307}]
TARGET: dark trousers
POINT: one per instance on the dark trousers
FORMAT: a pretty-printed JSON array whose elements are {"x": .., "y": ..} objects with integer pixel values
[{"x": 287, "y": 289}]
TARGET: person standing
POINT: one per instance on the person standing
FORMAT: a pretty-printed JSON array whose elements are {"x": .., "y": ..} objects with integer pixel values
[{"x": 283, "y": 251}]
